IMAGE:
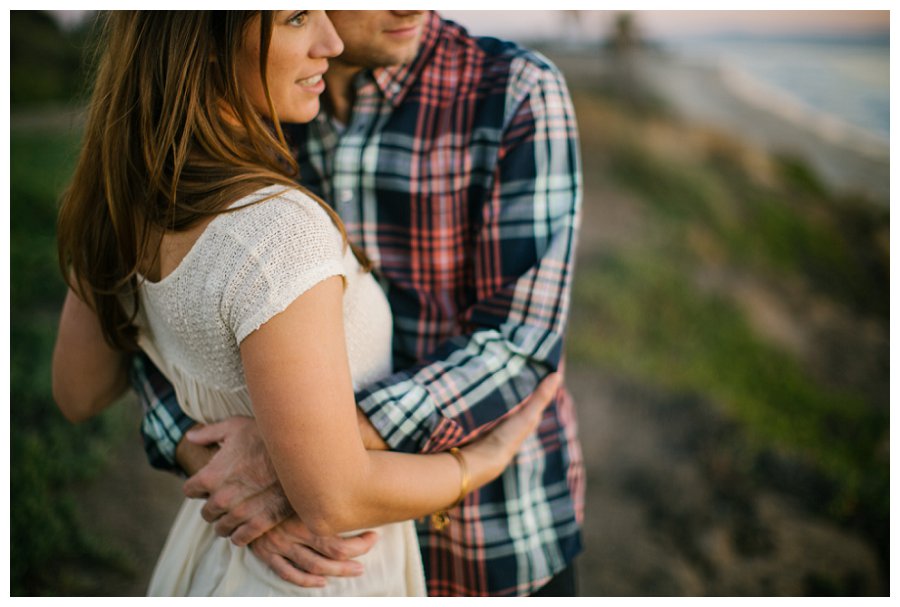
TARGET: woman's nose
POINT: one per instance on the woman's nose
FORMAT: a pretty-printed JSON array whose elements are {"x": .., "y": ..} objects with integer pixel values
[{"x": 328, "y": 44}]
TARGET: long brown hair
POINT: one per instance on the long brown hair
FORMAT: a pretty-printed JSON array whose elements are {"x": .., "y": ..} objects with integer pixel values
[{"x": 169, "y": 140}]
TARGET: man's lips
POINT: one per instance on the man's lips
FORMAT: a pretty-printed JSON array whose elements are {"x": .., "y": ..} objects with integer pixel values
[{"x": 400, "y": 32}]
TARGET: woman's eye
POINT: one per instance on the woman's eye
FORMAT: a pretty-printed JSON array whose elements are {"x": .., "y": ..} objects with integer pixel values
[{"x": 298, "y": 18}]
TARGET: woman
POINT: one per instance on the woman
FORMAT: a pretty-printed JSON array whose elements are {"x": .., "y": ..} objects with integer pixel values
[{"x": 184, "y": 234}]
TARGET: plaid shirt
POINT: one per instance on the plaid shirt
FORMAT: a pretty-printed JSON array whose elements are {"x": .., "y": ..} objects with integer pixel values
[{"x": 459, "y": 175}]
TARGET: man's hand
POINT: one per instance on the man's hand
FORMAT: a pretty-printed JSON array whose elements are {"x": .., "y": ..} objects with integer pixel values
[
  {"x": 304, "y": 559},
  {"x": 243, "y": 496},
  {"x": 192, "y": 457}
]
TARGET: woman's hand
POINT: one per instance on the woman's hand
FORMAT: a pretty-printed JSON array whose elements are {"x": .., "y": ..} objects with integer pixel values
[{"x": 490, "y": 454}]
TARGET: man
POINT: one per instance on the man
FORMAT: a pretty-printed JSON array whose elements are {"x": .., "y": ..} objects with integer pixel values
[{"x": 453, "y": 162}]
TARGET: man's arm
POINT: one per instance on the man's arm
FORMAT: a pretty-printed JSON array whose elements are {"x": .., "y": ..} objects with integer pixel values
[{"x": 524, "y": 256}]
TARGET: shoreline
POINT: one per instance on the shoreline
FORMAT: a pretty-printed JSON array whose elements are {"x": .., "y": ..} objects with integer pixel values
[
  {"x": 845, "y": 160},
  {"x": 826, "y": 125},
  {"x": 848, "y": 159}
]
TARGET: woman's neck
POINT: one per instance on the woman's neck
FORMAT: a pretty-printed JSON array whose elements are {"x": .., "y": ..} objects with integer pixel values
[{"x": 172, "y": 248}]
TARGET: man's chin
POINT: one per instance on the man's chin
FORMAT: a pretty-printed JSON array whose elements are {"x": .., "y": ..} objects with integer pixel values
[
  {"x": 387, "y": 56},
  {"x": 404, "y": 55}
]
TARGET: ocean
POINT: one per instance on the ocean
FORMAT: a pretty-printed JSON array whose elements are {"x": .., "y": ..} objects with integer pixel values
[{"x": 846, "y": 79}]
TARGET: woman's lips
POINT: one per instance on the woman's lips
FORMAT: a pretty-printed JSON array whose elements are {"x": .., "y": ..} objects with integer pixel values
[
  {"x": 314, "y": 84},
  {"x": 311, "y": 81}
]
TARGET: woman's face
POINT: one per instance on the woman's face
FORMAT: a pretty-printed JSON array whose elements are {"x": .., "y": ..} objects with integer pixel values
[{"x": 302, "y": 42}]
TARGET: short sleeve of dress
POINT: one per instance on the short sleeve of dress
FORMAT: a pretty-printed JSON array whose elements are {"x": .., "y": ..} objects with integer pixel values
[{"x": 284, "y": 246}]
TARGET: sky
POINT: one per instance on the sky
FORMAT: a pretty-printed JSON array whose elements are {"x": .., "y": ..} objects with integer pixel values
[
  {"x": 657, "y": 23},
  {"x": 587, "y": 23}
]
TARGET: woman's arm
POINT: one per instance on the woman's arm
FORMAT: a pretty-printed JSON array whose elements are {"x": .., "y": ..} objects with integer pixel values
[
  {"x": 88, "y": 375},
  {"x": 299, "y": 380}
]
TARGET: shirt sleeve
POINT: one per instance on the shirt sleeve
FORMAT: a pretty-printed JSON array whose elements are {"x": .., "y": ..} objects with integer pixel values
[{"x": 523, "y": 262}]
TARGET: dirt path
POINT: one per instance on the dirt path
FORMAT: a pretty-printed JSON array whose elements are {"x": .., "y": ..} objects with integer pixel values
[
  {"x": 672, "y": 512},
  {"x": 129, "y": 509}
]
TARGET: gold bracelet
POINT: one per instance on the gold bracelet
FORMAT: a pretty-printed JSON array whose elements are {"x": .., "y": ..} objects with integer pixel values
[
  {"x": 441, "y": 520},
  {"x": 464, "y": 472}
]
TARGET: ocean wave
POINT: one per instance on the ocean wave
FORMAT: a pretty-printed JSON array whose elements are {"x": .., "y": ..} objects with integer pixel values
[{"x": 777, "y": 101}]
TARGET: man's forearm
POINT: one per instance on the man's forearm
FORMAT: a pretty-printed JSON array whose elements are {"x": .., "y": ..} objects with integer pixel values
[{"x": 371, "y": 438}]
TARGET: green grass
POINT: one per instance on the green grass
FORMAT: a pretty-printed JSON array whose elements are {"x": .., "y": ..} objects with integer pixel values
[
  {"x": 49, "y": 456},
  {"x": 647, "y": 321},
  {"x": 793, "y": 228},
  {"x": 48, "y": 65}
]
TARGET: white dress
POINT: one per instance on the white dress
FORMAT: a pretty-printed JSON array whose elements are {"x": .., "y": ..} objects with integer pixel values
[{"x": 246, "y": 267}]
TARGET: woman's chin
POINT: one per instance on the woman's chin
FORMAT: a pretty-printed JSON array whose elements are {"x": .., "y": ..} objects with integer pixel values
[{"x": 301, "y": 114}]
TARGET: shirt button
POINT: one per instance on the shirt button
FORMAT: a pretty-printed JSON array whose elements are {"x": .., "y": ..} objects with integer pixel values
[{"x": 346, "y": 195}]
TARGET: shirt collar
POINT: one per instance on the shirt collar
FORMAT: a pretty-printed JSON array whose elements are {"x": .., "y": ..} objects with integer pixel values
[{"x": 395, "y": 81}]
